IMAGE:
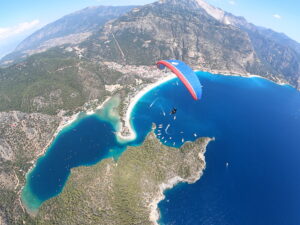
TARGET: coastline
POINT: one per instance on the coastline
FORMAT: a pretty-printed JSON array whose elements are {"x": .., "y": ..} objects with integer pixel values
[
  {"x": 125, "y": 123},
  {"x": 65, "y": 122},
  {"x": 131, "y": 135},
  {"x": 132, "y": 103},
  {"x": 93, "y": 111},
  {"x": 154, "y": 210},
  {"x": 246, "y": 75},
  {"x": 69, "y": 120}
]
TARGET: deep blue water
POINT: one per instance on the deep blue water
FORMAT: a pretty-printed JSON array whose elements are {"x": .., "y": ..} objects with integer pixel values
[
  {"x": 256, "y": 124},
  {"x": 84, "y": 143}
]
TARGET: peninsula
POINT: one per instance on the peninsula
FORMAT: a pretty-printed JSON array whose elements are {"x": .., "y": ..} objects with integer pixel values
[{"x": 126, "y": 191}]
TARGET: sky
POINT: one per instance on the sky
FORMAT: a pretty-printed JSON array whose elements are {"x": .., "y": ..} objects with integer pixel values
[{"x": 19, "y": 18}]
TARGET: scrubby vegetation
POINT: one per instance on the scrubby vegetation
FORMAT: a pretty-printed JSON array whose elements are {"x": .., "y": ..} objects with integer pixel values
[
  {"x": 120, "y": 192},
  {"x": 52, "y": 81}
]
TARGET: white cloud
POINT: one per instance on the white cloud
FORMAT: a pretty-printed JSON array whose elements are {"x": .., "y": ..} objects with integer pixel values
[
  {"x": 6, "y": 32},
  {"x": 231, "y": 2},
  {"x": 276, "y": 16}
]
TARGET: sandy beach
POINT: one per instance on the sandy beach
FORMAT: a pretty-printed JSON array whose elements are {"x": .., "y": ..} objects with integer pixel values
[
  {"x": 133, "y": 101},
  {"x": 131, "y": 135},
  {"x": 141, "y": 93},
  {"x": 66, "y": 121}
]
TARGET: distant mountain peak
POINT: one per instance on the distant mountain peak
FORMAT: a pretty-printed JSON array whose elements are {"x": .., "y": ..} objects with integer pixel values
[
  {"x": 215, "y": 12},
  {"x": 68, "y": 30},
  {"x": 202, "y": 35}
]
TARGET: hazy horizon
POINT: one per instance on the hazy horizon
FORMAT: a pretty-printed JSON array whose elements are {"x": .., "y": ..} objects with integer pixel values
[{"x": 18, "y": 23}]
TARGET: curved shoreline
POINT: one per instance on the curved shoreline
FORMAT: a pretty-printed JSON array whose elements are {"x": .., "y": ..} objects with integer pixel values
[
  {"x": 154, "y": 210},
  {"x": 126, "y": 124},
  {"x": 133, "y": 102},
  {"x": 67, "y": 121},
  {"x": 64, "y": 123}
]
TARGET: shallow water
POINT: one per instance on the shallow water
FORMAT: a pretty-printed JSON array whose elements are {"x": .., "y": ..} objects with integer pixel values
[
  {"x": 256, "y": 124},
  {"x": 253, "y": 167},
  {"x": 85, "y": 142}
]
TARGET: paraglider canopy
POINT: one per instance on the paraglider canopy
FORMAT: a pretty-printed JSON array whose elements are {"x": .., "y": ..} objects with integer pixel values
[{"x": 185, "y": 74}]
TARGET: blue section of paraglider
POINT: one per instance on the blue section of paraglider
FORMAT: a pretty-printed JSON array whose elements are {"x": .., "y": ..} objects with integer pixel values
[{"x": 185, "y": 74}]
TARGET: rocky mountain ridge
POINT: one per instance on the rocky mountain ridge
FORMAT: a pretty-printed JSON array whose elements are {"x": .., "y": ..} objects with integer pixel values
[
  {"x": 38, "y": 92},
  {"x": 70, "y": 29},
  {"x": 205, "y": 37}
]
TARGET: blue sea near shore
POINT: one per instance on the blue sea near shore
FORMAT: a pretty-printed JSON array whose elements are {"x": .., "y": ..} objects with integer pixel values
[
  {"x": 85, "y": 142},
  {"x": 253, "y": 166}
]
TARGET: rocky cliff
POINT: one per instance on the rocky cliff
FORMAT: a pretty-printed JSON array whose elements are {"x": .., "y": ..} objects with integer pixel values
[
  {"x": 202, "y": 35},
  {"x": 125, "y": 192},
  {"x": 115, "y": 58},
  {"x": 71, "y": 29}
]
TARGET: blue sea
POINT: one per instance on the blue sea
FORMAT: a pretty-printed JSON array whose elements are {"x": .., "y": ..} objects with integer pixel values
[
  {"x": 85, "y": 142},
  {"x": 252, "y": 174}
]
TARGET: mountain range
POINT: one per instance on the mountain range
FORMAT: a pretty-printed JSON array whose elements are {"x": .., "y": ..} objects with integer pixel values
[
  {"x": 77, "y": 62},
  {"x": 71, "y": 29},
  {"x": 204, "y": 36},
  {"x": 79, "y": 44}
]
